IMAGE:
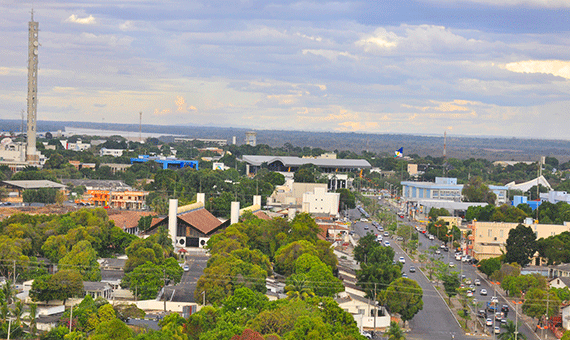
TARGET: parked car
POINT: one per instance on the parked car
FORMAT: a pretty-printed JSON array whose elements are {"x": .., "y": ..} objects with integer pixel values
[
  {"x": 437, "y": 251},
  {"x": 489, "y": 322},
  {"x": 402, "y": 260},
  {"x": 497, "y": 329}
]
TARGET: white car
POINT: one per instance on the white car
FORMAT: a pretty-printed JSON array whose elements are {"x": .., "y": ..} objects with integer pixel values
[
  {"x": 477, "y": 282},
  {"x": 386, "y": 243},
  {"x": 402, "y": 260},
  {"x": 483, "y": 291},
  {"x": 431, "y": 237},
  {"x": 457, "y": 257},
  {"x": 451, "y": 264},
  {"x": 469, "y": 293},
  {"x": 437, "y": 251},
  {"x": 186, "y": 268},
  {"x": 497, "y": 330},
  {"x": 494, "y": 299},
  {"x": 489, "y": 322}
]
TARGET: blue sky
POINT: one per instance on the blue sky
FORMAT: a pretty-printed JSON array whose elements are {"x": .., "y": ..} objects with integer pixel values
[{"x": 471, "y": 67}]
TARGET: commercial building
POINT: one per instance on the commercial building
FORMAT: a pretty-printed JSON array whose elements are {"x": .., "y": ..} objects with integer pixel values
[
  {"x": 292, "y": 164},
  {"x": 444, "y": 188},
  {"x": 111, "y": 152},
  {"x": 555, "y": 197},
  {"x": 166, "y": 162},
  {"x": 15, "y": 189},
  {"x": 123, "y": 200},
  {"x": 321, "y": 202},
  {"x": 488, "y": 239}
]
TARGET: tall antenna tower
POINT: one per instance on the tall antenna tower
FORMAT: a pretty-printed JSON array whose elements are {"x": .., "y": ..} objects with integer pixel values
[
  {"x": 33, "y": 28},
  {"x": 140, "y": 126}
]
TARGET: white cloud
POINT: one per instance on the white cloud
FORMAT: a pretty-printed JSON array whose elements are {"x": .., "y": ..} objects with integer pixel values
[
  {"x": 330, "y": 54},
  {"x": 90, "y": 20},
  {"x": 513, "y": 3},
  {"x": 559, "y": 68}
]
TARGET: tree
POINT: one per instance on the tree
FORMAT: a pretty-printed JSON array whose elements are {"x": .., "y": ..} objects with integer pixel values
[
  {"x": 509, "y": 332},
  {"x": 489, "y": 266},
  {"x": 145, "y": 280},
  {"x": 451, "y": 284},
  {"x": 395, "y": 332},
  {"x": 477, "y": 191},
  {"x": 521, "y": 245},
  {"x": 111, "y": 330},
  {"x": 298, "y": 287},
  {"x": 536, "y": 301},
  {"x": 405, "y": 297},
  {"x": 82, "y": 258},
  {"x": 347, "y": 199},
  {"x": 59, "y": 286}
]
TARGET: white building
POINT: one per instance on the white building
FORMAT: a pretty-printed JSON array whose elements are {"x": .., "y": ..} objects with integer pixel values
[
  {"x": 321, "y": 202},
  {"x": 77, "y": 146},
  {"x": 111, "y": 152},
  {"x": 555, "y": 197}
]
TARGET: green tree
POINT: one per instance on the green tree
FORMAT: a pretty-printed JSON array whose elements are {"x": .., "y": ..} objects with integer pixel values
[
  {"x": 298, "y": 287},
  {"x": 347, "y": 199},
  {"x": 510, "y": 332},
  {"x": 82, "y": 258},
  {"x": 111, "y": 330},
  {"x": 405, "y": 297},
  {"x": 145, "y": 280},
  {"x": 477, "y": 191},
  {"x": 521, "y": 245},
  {"x": 59, "y": 286},
  {"x": 451, "y": 284},
  {"x": 536, "y": 301},
  {"x": 395, "y": 332},
  {"x": 489, "y": 266}
]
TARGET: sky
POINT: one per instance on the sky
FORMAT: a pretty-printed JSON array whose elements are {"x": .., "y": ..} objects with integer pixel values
[{"x": 467, "y": 67}]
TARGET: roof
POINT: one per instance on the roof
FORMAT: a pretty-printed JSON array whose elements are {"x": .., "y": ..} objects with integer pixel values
[
  {"x": 92, "y": 286},
  {"x": 90, "y": 184},
  {"x": 35, "y": 184},
  {"x": 201, "y": 219},
  {"x": 128, "y": 219},
  {"x": 296, "y": 161},
  {"x": 564, "y": 279},
  {"x": 527, "y": 185},
  {"x": 262, "y": 215}
]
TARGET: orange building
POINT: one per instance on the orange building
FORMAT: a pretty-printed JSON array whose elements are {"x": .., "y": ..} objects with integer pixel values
[{"x": 125, "y": 200}]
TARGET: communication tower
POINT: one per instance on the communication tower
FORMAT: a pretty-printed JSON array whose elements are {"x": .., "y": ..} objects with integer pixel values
[{"x": 33, "y": 44}]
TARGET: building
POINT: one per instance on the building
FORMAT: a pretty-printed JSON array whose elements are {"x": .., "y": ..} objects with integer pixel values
[
  {"x": 98, "y": 289},
  {"x": 166, "y": 162},
  {"x": 555, "y": 197},
  {"x": 488, "y": 239},
  {"x": 123, "y": 200},
  {"x": 444, "y": 188},
  {"x": 251, "y": 138},
  {"x": 77, "y": 146},
  {"x": 111, "y": 152},
  {"x": 129, "y": 220},
  {"x": 291, "y": 193},
  {"x": 292, "y": 164},
  {"x": 15, "y": 189},
  {"x": 321, "y": 202},
  {"x": 524, "y": 187},
  {"x": 116, "y": 167},
  {"x": 220, "y": 142}
]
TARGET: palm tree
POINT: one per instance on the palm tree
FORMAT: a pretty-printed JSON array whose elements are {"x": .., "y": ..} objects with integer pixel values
[
  {"x": 395, "y": 332},
  {"x": 8, "y": 292},
  {"x": 31, "y": 318},
  {"x": 509, "y": 333},
  {"x": 298, "y": 288}
]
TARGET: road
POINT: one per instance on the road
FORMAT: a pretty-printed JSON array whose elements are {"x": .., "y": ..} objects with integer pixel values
[
  {"x": 436, "y": 321},
  {"x": 184, "y": 291}
]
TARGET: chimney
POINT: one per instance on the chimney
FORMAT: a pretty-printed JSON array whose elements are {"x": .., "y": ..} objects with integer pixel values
[
  {"x": 235, "y": 213},
  {"x": 172, "y": 222},
  {"x": 201, "y": 197},
  {"x": 257, "y": 200}
]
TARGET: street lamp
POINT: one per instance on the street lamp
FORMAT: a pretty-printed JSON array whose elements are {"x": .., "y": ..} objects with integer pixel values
[
  {"x": 517, "y": 318},
  {"x": 494, "y": 300}
]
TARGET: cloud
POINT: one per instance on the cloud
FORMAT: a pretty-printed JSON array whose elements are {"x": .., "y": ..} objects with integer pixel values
[
  {"x": 330, "y": 54},
  {"x": 513, "y": 3},
  {"x": 182, "y": 106},
  {"x": 452, "y": 106},
  {"x": 557, "y": 68},
  {"x": 127, "y": 26},
  {"x": 90, "y": 20},
  {"x": 356, "y": 126},
  {"x": 159, "y": 112}
]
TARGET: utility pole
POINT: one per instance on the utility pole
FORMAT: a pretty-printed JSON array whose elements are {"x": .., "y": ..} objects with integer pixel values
[
  {"x": 164, "y": 290},
  {"x": 70, "y": 318},
  {"x": 375, "y": 308}
]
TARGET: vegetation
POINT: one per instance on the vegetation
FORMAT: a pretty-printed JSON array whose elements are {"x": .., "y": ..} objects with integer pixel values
[{"x": 521, "y": 245}]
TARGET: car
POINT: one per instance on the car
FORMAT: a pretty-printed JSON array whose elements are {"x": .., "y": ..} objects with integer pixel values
[
  {"x": 489, "y": 322},
  {"x": 186, "y": 268},
  {"x": 437, "y": 251},
  {"x": 363, "y": 219},
  {"x": 404, "y": 275},
  {"x": 431, "y": 237},
  {"x": 402, "y": 260},
  {"x": 477, "y": 282},
  {"x": 366, "y": 335},
  {"x": 386, "y": 234},
  {"x": 446, "y": 249},
  {"x": 494, "y": 299},
  {"x": 483, "y": 292},
  {"x": 366, "y": 227},
  {"x": 469, "y": 293},
  {"x": 482, "y": 314},
  {"x": 457, "y": 257},
  {"x": 505, "y": 309},
  {"x": 399, "y": 238},
  {"x": 442, "y": 246},
  {"x": 451, "y": 264},
  {"x": 468, "y": 281},
  {"x": 380, "y": 228},
  {"x": 498, "y": 316},
  {"x": 412, "y": 269},
  {"x": 497, "y": 329},
  {"x": 379, "y": 239},
  {"x": 386, "y": 243}
]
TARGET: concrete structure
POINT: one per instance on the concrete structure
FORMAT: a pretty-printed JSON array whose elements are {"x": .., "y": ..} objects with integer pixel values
[
  {"x": 251, "y": 138},
  {"x": 444, "y": 188},
  {"x": 339, "y": 181},
  {"x": 220, "y": 142},
  {"x": 555, "y": 197},
  {"x": 524, "y": 187},
  {"x": 321, "y": 202},
  {"x": 31, "y": 155},
  {"x": 77, "y": 146},
  {"x": 292, "y": 164},
  {"x": 111, "y": 152},
  {"x": 488, "y": 239},
  {"x": 116, "y": 167},
  {"x": 16, "y": 188},
  {"x": 524, "y": 200},
  {"x": 291, "y": 193},
  {"x": 234, "y": 213}
]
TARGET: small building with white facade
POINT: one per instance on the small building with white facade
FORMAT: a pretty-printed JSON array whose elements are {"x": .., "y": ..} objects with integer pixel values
[{"x": 321, "y": 202}]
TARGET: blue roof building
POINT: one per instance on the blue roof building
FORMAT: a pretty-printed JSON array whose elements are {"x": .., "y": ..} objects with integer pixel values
[{"x": 167, "y": 163}]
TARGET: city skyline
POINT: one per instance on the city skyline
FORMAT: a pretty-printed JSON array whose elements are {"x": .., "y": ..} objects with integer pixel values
[{"x": 472, "y": 67}]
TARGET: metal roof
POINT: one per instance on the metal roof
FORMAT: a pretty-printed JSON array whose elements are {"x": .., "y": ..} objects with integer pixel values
[
  {"x": 35, "y": 184},
  {"x": 296, "y": 161}
]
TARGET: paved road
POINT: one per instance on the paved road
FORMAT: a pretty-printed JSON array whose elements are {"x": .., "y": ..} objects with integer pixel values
[{"x": 184, "y": 291}]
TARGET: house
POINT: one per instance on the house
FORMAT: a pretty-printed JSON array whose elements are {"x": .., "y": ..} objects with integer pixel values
[
  {"x": 559, "y": 282},
  {"x": 129, "y": 220},
  {"x": 98, "y": 289},
  {"x": 365, "y": 312}
]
